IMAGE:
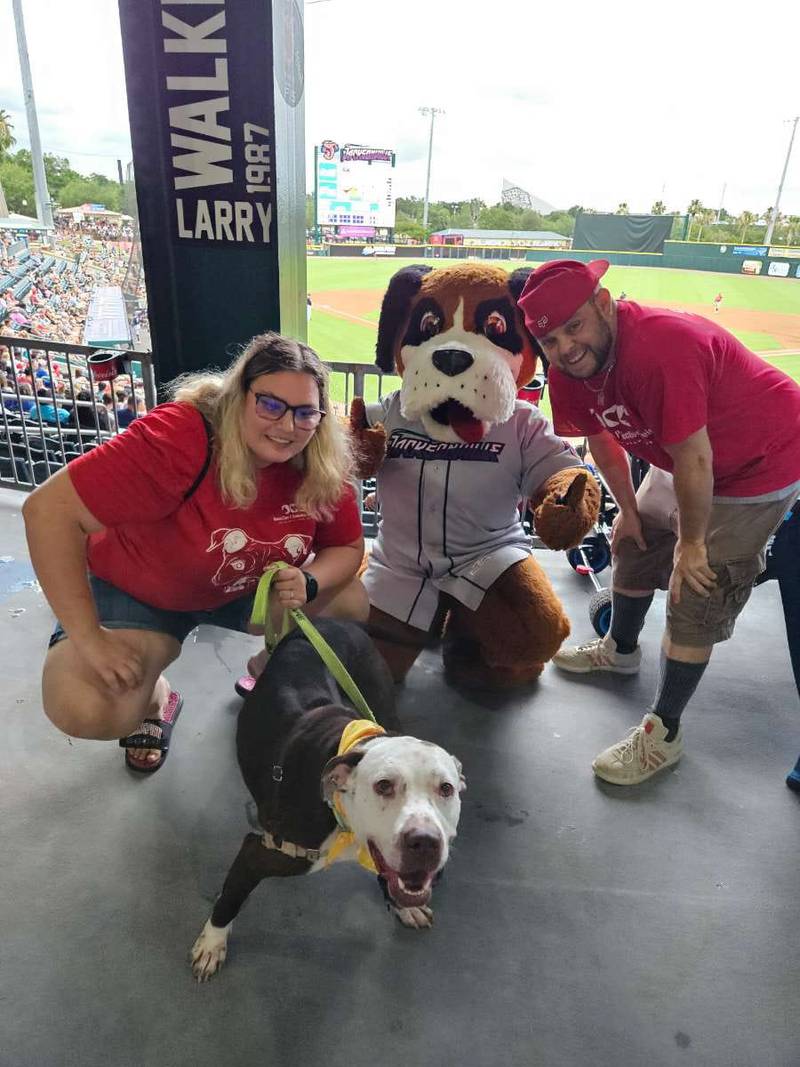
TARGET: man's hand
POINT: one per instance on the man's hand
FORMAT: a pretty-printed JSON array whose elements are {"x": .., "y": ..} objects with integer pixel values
[
  {"x": 118, "y": 664},
  {"x": 289, "y": 587},
  {"x": 691, "y": 566},
  {"x": 627, "y": 524}
]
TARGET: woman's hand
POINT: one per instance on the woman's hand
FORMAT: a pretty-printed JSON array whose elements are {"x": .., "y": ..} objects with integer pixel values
[
  {"x": 118, "y": 664},
  {"x": 289, "y": 587},
  {"x": 627, "y": 524}
]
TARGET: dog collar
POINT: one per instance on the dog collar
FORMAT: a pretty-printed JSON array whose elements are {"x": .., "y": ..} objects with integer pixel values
[{"x": 355, "y": 731}]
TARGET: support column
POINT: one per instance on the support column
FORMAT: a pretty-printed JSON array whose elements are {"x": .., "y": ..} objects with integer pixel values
[{"x": 215, "y": 97}]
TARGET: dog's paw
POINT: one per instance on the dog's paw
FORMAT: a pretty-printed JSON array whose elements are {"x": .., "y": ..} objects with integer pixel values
[
  {"x": 209, "y": 951},
  {"x": 414, "y": 918}
]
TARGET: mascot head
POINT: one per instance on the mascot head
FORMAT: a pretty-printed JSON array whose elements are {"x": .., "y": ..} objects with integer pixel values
[{"x": 459, "y": 342}]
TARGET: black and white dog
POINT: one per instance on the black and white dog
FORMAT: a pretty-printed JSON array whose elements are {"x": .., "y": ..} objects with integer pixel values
[{"x": 390, "y": 802}]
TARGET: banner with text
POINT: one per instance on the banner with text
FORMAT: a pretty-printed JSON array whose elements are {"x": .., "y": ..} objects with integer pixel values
[{"x": 202, "y": 110}]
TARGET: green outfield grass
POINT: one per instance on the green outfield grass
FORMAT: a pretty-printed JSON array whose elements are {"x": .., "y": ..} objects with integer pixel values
[
  {"x": 757, "y": 342},
  {"x": 639, "y": 283},
  {"x": 337, "y": 339},
  {"x": 788, "y": 364}
]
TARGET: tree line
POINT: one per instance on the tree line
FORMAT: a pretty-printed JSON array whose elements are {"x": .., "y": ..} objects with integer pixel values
[
  {"x": 696, "y": 223},
  {"x": 67, "y": 188}
]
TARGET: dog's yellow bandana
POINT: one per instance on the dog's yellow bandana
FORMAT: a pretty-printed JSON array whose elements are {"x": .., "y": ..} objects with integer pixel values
[{"x": 358, "y": 730}]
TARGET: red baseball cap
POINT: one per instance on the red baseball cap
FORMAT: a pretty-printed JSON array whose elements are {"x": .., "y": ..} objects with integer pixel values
[{"x": 555, "y": 291}]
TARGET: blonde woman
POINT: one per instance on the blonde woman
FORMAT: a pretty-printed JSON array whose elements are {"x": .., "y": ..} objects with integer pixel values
[{"x": 176, "y": 520}]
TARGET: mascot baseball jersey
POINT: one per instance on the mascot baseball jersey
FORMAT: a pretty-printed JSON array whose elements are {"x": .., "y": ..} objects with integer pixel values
[{"x": 448, "y": 517}]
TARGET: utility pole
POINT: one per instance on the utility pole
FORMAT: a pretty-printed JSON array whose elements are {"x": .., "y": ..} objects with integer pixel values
[
  {"x": 44, "y": 208},
  {"x": 774, "y": 219},
  {"x": 433, "y": 112},
  {"x": 721, "y": 201}
]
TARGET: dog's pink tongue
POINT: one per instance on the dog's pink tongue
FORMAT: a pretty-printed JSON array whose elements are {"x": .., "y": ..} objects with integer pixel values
[{"x": 465, "y": 424}]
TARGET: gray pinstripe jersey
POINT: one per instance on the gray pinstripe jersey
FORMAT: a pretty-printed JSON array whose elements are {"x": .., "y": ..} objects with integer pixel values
[{"x": 449, "y": 516}]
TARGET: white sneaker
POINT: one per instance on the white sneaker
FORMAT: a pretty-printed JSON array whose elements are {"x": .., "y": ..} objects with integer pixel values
[
  {"x": 640, "y": 755},
  {"x": 598, "y": 655}
]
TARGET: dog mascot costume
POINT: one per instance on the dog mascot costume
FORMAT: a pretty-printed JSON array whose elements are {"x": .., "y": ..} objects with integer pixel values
[{"x": 455, "y": 452}]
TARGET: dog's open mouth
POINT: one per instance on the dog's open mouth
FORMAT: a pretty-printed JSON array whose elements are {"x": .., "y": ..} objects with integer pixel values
[
  {"x": 409, "y": 889},
  {"x": 460, "y": 418}
]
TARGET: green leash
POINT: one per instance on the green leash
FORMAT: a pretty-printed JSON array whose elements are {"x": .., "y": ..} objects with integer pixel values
[{"x": 261, "y": 616}]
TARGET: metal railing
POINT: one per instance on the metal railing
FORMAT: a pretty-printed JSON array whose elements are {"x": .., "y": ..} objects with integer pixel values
[{"x": 39, "y": 434}]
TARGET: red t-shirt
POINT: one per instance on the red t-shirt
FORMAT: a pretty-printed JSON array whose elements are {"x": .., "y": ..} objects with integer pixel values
[
  {"x": 200, "y": 553},
  {"x": 675, "y": 373}
]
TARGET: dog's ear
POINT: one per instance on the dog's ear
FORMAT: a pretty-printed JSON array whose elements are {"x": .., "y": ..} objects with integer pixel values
[
  {"x": 336, "y": 772},
  {"x": 516, "y": 283},
  {"x": 403, "y": 287},
  {"x": 462, "y": 781}
]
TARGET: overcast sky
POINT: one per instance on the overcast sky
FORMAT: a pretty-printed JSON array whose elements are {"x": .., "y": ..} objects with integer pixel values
[{"x": 578, "y": 102}]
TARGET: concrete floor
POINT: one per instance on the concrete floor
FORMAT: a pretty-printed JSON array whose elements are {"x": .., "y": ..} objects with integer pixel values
[{"x": 576, "y": 924}]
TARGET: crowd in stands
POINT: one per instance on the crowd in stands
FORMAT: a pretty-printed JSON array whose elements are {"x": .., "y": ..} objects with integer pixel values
[
  {"x": 50, "y": 295},
  {"x": 65, "y": 393},
  {"x": 44, "y": 296},
  {"x": 98, "y": 229}
]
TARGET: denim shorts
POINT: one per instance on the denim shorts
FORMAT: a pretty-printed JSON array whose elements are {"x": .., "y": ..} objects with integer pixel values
[{"x": 118, "y": 610}]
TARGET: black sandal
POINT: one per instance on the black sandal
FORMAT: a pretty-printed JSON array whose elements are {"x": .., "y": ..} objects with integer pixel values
[{"x": 153, "y": 733}]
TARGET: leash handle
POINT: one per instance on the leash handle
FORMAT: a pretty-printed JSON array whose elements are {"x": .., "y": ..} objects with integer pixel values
[{"x": 261, "y": 616}]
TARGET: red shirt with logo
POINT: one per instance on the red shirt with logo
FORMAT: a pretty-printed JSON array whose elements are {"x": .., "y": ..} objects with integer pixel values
[
  {"x": 200, "y": 553},
  {"x": 675, "y": 373}
]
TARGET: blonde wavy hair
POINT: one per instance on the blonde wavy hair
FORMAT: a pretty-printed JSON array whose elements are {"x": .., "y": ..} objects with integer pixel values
[{"x": 220, "y": 396}]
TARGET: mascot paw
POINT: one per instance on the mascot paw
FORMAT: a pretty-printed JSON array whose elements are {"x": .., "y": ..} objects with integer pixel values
[
  {"x": 369, "y": 442},
  {"x": 568, "y": 511}
]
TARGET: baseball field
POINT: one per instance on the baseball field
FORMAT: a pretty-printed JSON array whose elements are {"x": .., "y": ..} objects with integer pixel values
[{"x": 764, "y": 313}]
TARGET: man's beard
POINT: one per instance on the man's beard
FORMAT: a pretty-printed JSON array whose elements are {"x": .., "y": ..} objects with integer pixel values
[{"x": 601, "y": 351}]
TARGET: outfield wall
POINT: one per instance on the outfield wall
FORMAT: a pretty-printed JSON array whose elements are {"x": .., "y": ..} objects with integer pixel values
[{"x": 772, "y": 261}]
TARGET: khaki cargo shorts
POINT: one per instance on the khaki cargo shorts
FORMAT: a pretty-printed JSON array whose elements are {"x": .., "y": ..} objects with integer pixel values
[{"x": 736, "y": 539}]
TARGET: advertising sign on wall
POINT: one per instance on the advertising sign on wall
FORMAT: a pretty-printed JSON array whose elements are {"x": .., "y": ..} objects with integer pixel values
[
  {"x": 778, "y": 270},
  {"x": 751, "y": 266},
  {"x": 785, "y": 253},
  {"x": 749, "y": 250},
  {"x": 355, "y": 185}
]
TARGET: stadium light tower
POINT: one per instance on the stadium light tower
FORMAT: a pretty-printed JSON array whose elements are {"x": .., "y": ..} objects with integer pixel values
[
  {"x": 433, "y": 112},
  {"x": 44, "y": 208},
  {"x": 774, "y": 219}
]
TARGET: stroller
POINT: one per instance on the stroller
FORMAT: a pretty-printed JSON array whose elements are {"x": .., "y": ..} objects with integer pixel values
[{"x": 593, "y": 555}]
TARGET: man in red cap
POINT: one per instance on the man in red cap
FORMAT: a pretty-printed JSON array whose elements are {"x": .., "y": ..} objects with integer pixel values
[{"x": 719, "y": 428}]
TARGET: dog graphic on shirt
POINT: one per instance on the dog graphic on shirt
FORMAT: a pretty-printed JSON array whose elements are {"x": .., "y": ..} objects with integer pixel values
[{"x": 244, "y": 559}]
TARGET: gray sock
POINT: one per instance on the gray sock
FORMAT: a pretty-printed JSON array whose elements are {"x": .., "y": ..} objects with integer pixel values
[
  {"x": 676, "y": 685},
  {"x": 627, "y": 619}
]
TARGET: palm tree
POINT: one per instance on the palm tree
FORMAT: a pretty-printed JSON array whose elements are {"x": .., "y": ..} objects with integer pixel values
[
  {"x": 692, "y": 211},
  {"x": 622, "y": 209},
  {"x": 659, "y": 208},
  {"x": 747, "y": 218},
  {"x": 704, "y": 217},
  {"x": 793, "y": 223},
  {"x": 7, "y": 139}
]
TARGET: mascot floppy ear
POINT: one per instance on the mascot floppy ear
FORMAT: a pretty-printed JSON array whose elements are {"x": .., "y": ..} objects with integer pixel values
[
  {"x": 516, "y": 283},
  {"x": 403, "y": 287}
]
